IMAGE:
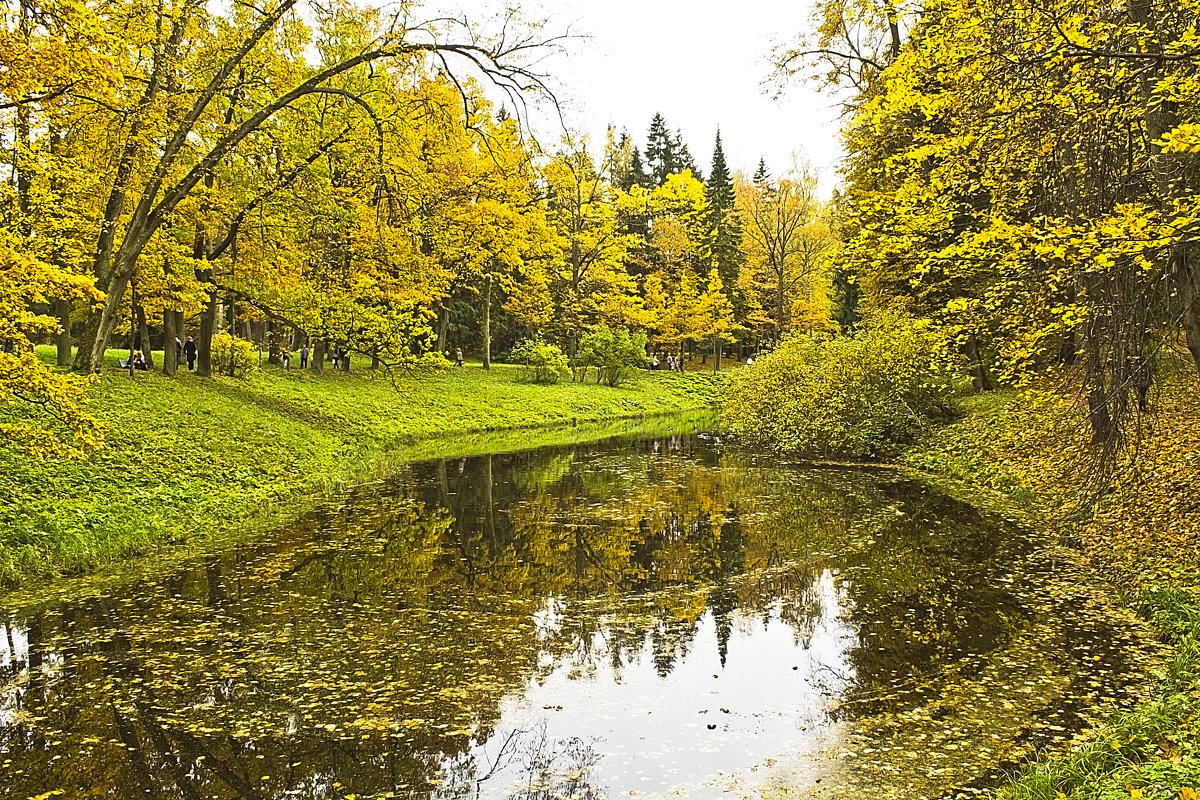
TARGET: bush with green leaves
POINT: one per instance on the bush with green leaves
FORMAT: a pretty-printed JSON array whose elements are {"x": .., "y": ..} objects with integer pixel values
[
  {"x": 614, "y": 355},
  {"x": 233, "y": 356},
  {"x": 540, "y": 362},
  {"x": 860, "y": 396}
]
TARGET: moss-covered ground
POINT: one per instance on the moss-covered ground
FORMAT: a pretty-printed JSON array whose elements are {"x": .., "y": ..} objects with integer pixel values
[
  {"x": 1139, "y": 526},
  {"x": 190, "y": 463}
]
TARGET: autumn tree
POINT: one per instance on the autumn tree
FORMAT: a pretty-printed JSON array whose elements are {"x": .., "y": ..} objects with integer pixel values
[
  {"x": 189, "y": 71},
  {"x": 786, "y": 240},
  {"x": 591, "y": 285}
]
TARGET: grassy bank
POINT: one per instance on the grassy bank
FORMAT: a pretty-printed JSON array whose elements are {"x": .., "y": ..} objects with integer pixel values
[
  {"x": 192, "y": 462},
  {"x": 1143, "y": 535}
]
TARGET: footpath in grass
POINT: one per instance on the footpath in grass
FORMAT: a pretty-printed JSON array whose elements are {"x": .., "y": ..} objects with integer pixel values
[
  {"x": 1142, "y": 535},
  {"x": 192, "y": 462}
]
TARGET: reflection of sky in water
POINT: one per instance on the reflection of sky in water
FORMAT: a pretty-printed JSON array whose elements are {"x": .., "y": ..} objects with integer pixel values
[{"x": 689, "y": 732}]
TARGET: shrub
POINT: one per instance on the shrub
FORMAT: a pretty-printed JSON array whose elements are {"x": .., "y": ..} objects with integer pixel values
[
  {"x": 614, "y": 355},
  {"x": 541, "y": 362},
  {"x": 862, "y": 396},
  {"x": 233, "y": 356}
]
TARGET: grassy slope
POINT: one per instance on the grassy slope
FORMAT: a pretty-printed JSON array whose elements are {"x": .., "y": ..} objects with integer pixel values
[
  {"x": 196, "y": 460},
  {"x": 1144, "y": 536}
]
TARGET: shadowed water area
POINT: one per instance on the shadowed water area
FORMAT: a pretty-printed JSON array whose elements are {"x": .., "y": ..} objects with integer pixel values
[{"x": 652, "y": 618}]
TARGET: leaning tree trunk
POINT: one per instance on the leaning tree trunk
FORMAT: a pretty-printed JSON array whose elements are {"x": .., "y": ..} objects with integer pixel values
[{"x": 62, "y": 341}]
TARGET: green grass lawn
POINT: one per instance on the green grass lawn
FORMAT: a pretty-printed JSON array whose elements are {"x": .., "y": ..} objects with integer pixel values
[{"x": 191, "y": 462}]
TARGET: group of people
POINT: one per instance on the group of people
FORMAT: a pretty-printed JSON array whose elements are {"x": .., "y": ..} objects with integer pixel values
[
  {"x": 669, "y": 363},
  {"x": 186, "y": 350},
  {"x": 285, "y": 355}
]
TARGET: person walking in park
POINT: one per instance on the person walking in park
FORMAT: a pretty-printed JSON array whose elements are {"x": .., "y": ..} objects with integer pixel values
[
  {"x": 286, "y": 355},
  {"x": 304, "y": 356},
  {"x": 458, "y": 359},
  {"x": 189, "y": 352}
]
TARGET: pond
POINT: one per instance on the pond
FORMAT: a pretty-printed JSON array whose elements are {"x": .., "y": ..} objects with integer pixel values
[{"x": 637, "y": 617}]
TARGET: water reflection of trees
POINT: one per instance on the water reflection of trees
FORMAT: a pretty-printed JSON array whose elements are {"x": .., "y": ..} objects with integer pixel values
[{"x": 368, "y": 646}]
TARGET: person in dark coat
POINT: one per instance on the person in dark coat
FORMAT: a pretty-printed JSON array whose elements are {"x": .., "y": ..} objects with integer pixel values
[
  {"x": 1141, "y": 373},
  {"x": 189, "y": 352}
]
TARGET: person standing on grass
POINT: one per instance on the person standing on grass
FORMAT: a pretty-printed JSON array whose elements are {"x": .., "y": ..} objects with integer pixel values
[
  {"x": 287, "y": 358},
  {"x": 458, "y": 359},
  {"x": 189, "y": 352},
  {"x": 303, "y": 356}
]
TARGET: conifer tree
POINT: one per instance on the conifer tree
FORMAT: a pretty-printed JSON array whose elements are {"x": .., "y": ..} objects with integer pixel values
[
  {"x": 662, "y": 155},
  {"x": 723, "y": 234},
  {"x": 637, "y": 172},
  {"x": 684, "y": 158},
  {"x": 762, "y": 177}
]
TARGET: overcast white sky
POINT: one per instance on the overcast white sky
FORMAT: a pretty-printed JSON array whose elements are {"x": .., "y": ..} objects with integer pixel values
[{"x": 700, "y": 64}]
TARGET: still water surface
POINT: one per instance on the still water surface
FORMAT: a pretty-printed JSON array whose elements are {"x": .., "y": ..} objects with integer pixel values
[{"x": 649, "y": 618}]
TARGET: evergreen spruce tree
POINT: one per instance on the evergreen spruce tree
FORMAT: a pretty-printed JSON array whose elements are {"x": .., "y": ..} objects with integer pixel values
[
  {"x": 684, "y": 158},
  {"x": 723, "y": 235},
  {"x": 662, "y": 155},
  {"x": 637, "y": 172},
  {"x": 761, "y": 177}
]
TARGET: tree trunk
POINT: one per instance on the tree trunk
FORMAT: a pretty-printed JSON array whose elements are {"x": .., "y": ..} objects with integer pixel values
[
  {"x": 1099, "y": 418},
  {"x": 170, "y": 339},
  {"x": 62, "y": 341},
  {"x": 442, "y": 329},
  {"x": 144, "y": 335},
  {"x": 487, "y": 323},
  {"x": 1170, "y": 174},
  {"x": 316, "y": 360},
  {"x": 717, "y": 354},
  {"x": 208, "y": 326},
  {"x": 980, "y": 381}
]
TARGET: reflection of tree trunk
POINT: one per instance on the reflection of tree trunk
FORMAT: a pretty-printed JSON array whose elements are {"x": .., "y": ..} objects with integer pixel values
[
  {"x": 62, "y": 340},
  {"x": 487, "y": 499},
  {"x": 443, "y": 485},
  {"x": 215, "y": 578},
  {"x": 133, "y": 751}
]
